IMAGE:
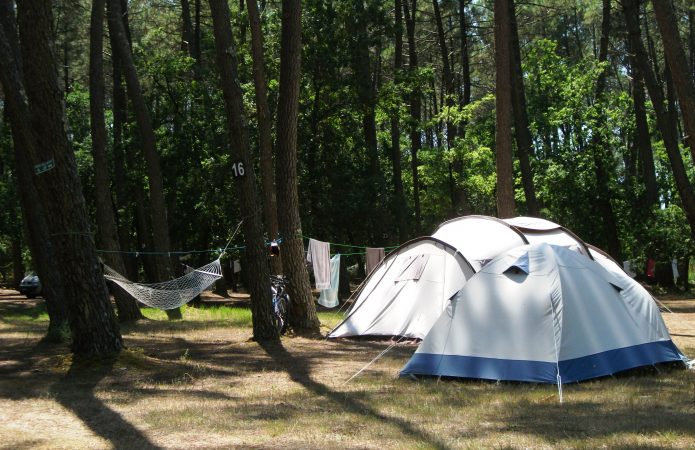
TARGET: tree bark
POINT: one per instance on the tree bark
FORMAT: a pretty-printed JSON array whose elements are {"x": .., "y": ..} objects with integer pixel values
[
  {"x": 160, "y": 225},
  {"x": 691, "y": 39},
  {"x": 361, "y": 63},
  {"x": 187, "y": 44},
  {"x": 415, "y": 110},
  {"x": 255, "y": 257},
  {"x": 458, "y": 200},
  {"x": 265, "y": 143},
  {"x": 465, "y": 59},
  {"x": 399, "y": 202},
  {"x": 678, "y": 64},
  {"x": 18, "y": 270},
  {"x": 503, "y": 104},
  {"x": 124, "y": 215},
  {"x": 667, "y": 130},
  {"x": 302, "y": 314},
  {"x": 524, "y": 143},
  {"x": 107, "y": 233},
  {"x": 39, "y": 118},
  {"x": 598, "y": 145},
  {"x": 643, "y": 140},
  {"x": 447, "y": 75},
  {"x": 32, "y": 214}
]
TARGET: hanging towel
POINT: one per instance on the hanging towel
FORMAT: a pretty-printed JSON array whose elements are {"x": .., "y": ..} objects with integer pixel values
[
  {"x": 374, "y": 257},
  {"x": 627, "y": 268},
  {"x": 651, "y": 265},
  {"x": 674, "y": 269},
  {"x": 329, "y": 297},
  {"x": 318, "y": 255}
]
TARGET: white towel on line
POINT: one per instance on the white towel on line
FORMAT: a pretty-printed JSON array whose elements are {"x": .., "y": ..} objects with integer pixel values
[{"x": 318, "y": 255}]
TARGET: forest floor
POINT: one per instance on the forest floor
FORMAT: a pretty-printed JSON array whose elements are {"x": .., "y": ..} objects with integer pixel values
[{"x": 202, "y": 383}]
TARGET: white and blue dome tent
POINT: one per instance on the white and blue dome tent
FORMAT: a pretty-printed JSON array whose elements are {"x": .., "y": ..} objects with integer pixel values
[
  {"x": 407, "y": 292},
  {"x": 544, "y": 313}
]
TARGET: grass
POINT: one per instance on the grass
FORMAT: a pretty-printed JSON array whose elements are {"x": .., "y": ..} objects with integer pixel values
[{"x": 202, "y": 383}]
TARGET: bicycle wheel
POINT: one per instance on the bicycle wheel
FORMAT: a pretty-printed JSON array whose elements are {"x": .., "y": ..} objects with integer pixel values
[{"x": 280, "y": 313}]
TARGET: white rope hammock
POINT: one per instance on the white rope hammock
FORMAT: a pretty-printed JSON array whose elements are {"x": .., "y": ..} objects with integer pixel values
[{"x": 169, "y": 294}]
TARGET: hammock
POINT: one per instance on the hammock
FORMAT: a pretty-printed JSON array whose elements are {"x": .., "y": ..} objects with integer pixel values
[{"x": 169, "y": 294}]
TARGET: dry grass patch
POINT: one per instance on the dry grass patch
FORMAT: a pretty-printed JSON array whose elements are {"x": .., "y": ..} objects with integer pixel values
[{"x": 201, "y": 383}]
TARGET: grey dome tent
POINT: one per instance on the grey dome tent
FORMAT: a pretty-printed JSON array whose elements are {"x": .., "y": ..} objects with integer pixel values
[{"x": 406, "y": 293}]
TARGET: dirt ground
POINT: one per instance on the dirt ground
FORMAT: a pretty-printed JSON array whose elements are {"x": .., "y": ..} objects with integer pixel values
[{"x": 204, "y": 384}]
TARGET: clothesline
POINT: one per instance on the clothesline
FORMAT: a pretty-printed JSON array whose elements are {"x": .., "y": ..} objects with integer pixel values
[
  {"x": 221, "y": 250},
  {"x": 351, "y": 245}
]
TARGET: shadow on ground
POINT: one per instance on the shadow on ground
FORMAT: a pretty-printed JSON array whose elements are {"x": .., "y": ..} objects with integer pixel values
[{"x": 299, "y": 367}]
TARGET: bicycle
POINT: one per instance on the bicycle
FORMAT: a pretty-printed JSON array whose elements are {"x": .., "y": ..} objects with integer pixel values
[{"x": 281, "y": 302}]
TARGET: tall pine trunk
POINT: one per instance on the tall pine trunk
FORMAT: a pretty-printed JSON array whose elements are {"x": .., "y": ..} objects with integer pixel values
[
  {"x": 647, "y": 173},
  {"x": 415, "y": 110},
  {"x": 666, "y": 128},
  {"x": 458, "y": 195},
  {"x": 598, "y": 146},
  {"x": 399, "y": 203},
  {"x": 361, "y": 63},
  {"x": 302, "y": 314},
  {"x": 40, "y": 122},
  {"x": 160, "y": 225},
  {"x": 32, "y": 213},
  {"x": 679, "y": 67},
  {"x": 107, "y": 233},
  {"x": 265, "y": 142},
  {"x": 524, "y": 145},
  {"x": 255, "y": 256},
  {"x": 503, "y": 112}
]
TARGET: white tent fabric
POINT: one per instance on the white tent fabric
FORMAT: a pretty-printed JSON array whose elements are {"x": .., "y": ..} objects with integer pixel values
[
  {"x": 540, "y": 230},
  {"x": 407, "y": 292},
  {"x": 479, "y": 238},
  {"x": 544, "y": 313}
]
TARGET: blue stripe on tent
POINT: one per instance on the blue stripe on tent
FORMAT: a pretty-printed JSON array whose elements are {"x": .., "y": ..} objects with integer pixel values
[
  {"x": 577, "y": 369},
  {"x": 613, "y": 361}
]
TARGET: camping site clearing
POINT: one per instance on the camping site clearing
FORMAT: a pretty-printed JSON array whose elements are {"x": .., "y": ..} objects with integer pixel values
[{"x": 202, "y": 383}]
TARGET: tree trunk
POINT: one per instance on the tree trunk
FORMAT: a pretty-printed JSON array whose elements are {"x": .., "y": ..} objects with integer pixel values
[
  {"x": 40, "y": 122},
  {"x": 458, "y": 200},
  {"x": 465, "y": 60},
  {"x": 678, "y": 64},
  {"x": 598, "y": 146},
  {"x": 302, "y": 314},
  {"x": 265, "y": 143},
  {"x": 447, "y": 75},
  {"x": 524, "y": 145},
  {"x": 107, "y": 233},
  {"x": 120, "y": 179},
  {"x": 18, "y": 270},
  {"x": 415, "y": 110},
  {"x": 32, "y": 214},
  {"x": 503, "y": 106},
  {"x": 197, "y": 35},
  {"x": 667, "y": 130},
  {"x": 691, "y": 39},
  {"x": 187, "y": 44},
  {"x": 642, "y": 137},
  {"x": 399, "y": 202},
  {"x": 360, "y": 62},
  {"x": 255, "y": 256},
  {"x": 160, "y": 225}
]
